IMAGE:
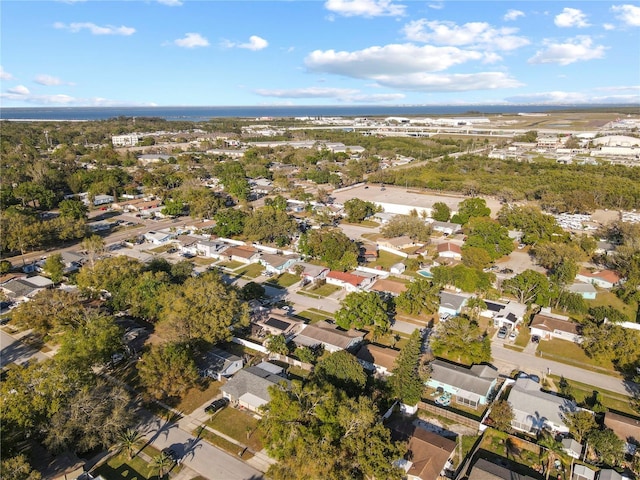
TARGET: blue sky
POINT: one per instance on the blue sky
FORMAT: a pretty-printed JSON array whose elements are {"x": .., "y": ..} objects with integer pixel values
[{"x": 325, "y": 52}]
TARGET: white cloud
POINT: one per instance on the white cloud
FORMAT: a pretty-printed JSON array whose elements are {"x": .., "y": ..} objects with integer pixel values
[
  {"x": 95, "y": 29},
  {"x": 578, "y": 49},
  {"x": 436, "y": 6},
  {"x": 171, "y": 3},
  {"x": 19, "y": 90},
  {"x": 479, "y": 34},
  {"x": 628, "y": 14},
  {"x": 365, "y": 8},
  {"x": 457, "y": 82},
  {"x": 513, "y": 15},
  {"x": 5, "y": 75},
  {"x": 66, "y": 100},
  {"x": 397, "y": 58},
  {"x": 255, "y": 43},
  {"x": 192, "y": 40},
  {"x": 340, "y": 94},
  {"x": 571, "y": 17},
  {"x": 608, "y": 26},
  {"x": 49, "y": 80}
]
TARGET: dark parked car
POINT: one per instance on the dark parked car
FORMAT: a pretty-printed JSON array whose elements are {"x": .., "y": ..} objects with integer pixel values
[
  {"x": 502, "y": 333},
  {"x": 535, "y": 339},
  {"x": 216, "y": 405}
]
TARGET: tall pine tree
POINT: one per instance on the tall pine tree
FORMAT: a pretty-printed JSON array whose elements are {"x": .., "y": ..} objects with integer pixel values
[{"x": 405, "y": 382}]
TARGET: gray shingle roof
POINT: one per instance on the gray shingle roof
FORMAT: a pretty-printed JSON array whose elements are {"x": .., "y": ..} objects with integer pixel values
[
  {"x": 530, "y": 404},
  {"x": 477, "y": 379},
  {"x": 253, "y": 380}
]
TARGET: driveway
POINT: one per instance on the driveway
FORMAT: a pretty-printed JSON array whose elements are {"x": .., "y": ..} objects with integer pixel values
[{"x": 12, "y": 350}]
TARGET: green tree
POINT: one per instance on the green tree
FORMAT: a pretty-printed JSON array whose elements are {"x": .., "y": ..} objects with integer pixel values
[
  {"x": 501, "y": 415},
  {"x": 202, "y": 308},
  {"x": 90, "y": 343},
  {"x": 580, "y": 423},
  {"x": 461, "y": 339},
  {"x": 105, "y": 405},
  {"x": 54, "y": 267},
  {"x": 145, "y": 294},
  {"x": 528, "y": 286},
  {"x": 278, "y": 202},
  {"x": 535, "y": 226},
  {"x": 440, "y": 212},
  {"x": 421, "y": 296},
  {"x": 229, "y": 222},
  {"x": 475, "y": 257},
  {"x": 551, "y": 254},
  {"x": 552, "y": 450},
  {"x": 317, "y": 431},
  {"x": 470, "y": 208},
  {"x": 161, "y": 463},
  {"x": 116, "y": 275},
  {"x": 406, "y": 382},
  {"x": 612, "y": 342},
  {"x": 18, "y": 468},
  {"x": 168, "y": 370},
  {"x": 413, "y": 227},
  {"x": 49, "y": 310},
  {"x": 363, "y": 309},
  {"x": 342, "y": 370},
  {"x": 305, "y": 354},
  {"x": 331, "y": 246},
  {"x": 462, "y": 277},
  {"x": 5, "y": 266},
  {"x": 490, "y": 236},
  {"x": 357, "y": 210},
  {"x": 172, "y": 208},
  {"x": 73, "y": 209},
  {"x": 277, "y": 344},
  {"x": 20, "y": 232},
  {"x": 270, "y": 225},
  {"x": 128, "y": 440},
  {"x": 475, "y": 305},
  {"x": 607, "y": 445},
  {"x": 251, "y": 291}
]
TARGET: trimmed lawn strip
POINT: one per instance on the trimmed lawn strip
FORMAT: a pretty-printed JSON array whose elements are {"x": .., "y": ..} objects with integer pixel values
[
  {"x": 283, "y": 280},
  {"x": 386, "y": 260},
  {"x": 311, "y": 316},
  {"x": 322, "y": 291},
  {"x": 573, "y": 354},
  {"x": 250, "y": 271},
  {"x": 118, "y": 468},
  {"x": 222, "y": 444},
  {"x": 612, "y": 400},
  {"x": 232, "y": 265}
]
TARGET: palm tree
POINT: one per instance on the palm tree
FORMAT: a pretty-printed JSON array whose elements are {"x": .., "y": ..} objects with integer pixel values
[
  {"x": 475, "y": 306},
  {"x": 162, "y": 463},
  {"x": 127, "y": 441},
  {"x": 551, "y": 451}
]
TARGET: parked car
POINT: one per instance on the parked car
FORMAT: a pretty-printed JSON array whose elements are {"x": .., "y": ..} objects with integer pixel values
[
  {"x": 513, "y": 335},
  {"x": 535, "y": 339},
  {"x": 217, "y": 405},
  {"x": 502, "y": 333}
]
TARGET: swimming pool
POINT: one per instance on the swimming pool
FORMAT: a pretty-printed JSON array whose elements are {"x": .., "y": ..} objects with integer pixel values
[{"x": 425, "y": 273}]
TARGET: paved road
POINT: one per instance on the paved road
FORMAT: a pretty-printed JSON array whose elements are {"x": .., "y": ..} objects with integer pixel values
[
  {"x": 12, "y": 350},
  {"x": 195, "y": 453},
  {"x": 527, "y": 361}
]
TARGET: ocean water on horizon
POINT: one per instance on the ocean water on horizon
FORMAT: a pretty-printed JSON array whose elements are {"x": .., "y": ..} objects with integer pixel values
[{"x": 198, "y": 114}]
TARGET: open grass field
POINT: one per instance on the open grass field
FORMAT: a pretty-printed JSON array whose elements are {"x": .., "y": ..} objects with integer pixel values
[
  {"x": 582, "y": 392},
  {"x": 605, "y": 298},
  {"x": 572, "y": 354}
]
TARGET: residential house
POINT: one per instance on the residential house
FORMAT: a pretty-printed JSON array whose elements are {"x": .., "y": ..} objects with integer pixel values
[
  {"x": 582, "y": 472},
  {"x": 211, "y": 248},
  {"x": 450, "y": 250},
  {"x": 311, "y": 273},
  {"x": 572, "y": 447},
  {"x": 626, "y": 428},
  {"x": 72, "y": 261},
  {"x": 468, "y": 386},
  {"x": 397, "y": 243},
  {"x": 383, "y": 217},
  {"x": 242, "y": 254},
  {"x": 329, "y": 336},
  {"x": 610, "y": 474},
  {"x": 378, "y": 359},
  {"x": 349, "y": 281},
  {"x": 201, "y": 225},
  {"x": 585, "y": 290},
  {"x": 446, "y": 228},
  {"x": 605, "y": 248},
  {"x": 506, "y": 313},
  {"x": 600, "y": 278},
  {"x": 547, "y": 326},
  {"x": 249, "y": 388},
  {"x": 277, "y": 264},
  {"x": 485, "y": 470},
  {"x": 429, "y": 456},
  {"x": 391, "y": 287},
  {"x": 534, "y": 409},
  {"x": 369, "y": 253},
  {"x": 451, "y": 304},
  {"x": 279, "y": 324},
  {"x": 219, "y": 364},
  {"x": 23, "y": 289},
  {"x": 187, "y": 244},
  {"x": 161, "y": 237}
]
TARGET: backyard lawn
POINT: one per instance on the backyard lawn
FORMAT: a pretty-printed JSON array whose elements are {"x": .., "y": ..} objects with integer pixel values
[
  {"x": 386, "y": 260},
  {"x": 239, "y": 425},
  {"x": 284, "y": 280},
  {"x": 605, "y": 298},
  {"x": 313, "y": 317},
  {"x": 251, "y": 271},
  {"x": 120, "y": 468},
  {"x": 321, "y": 291}
]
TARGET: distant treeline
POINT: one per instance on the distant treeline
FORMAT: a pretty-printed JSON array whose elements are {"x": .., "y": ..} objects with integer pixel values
[{"x": 558, "y": 188}]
